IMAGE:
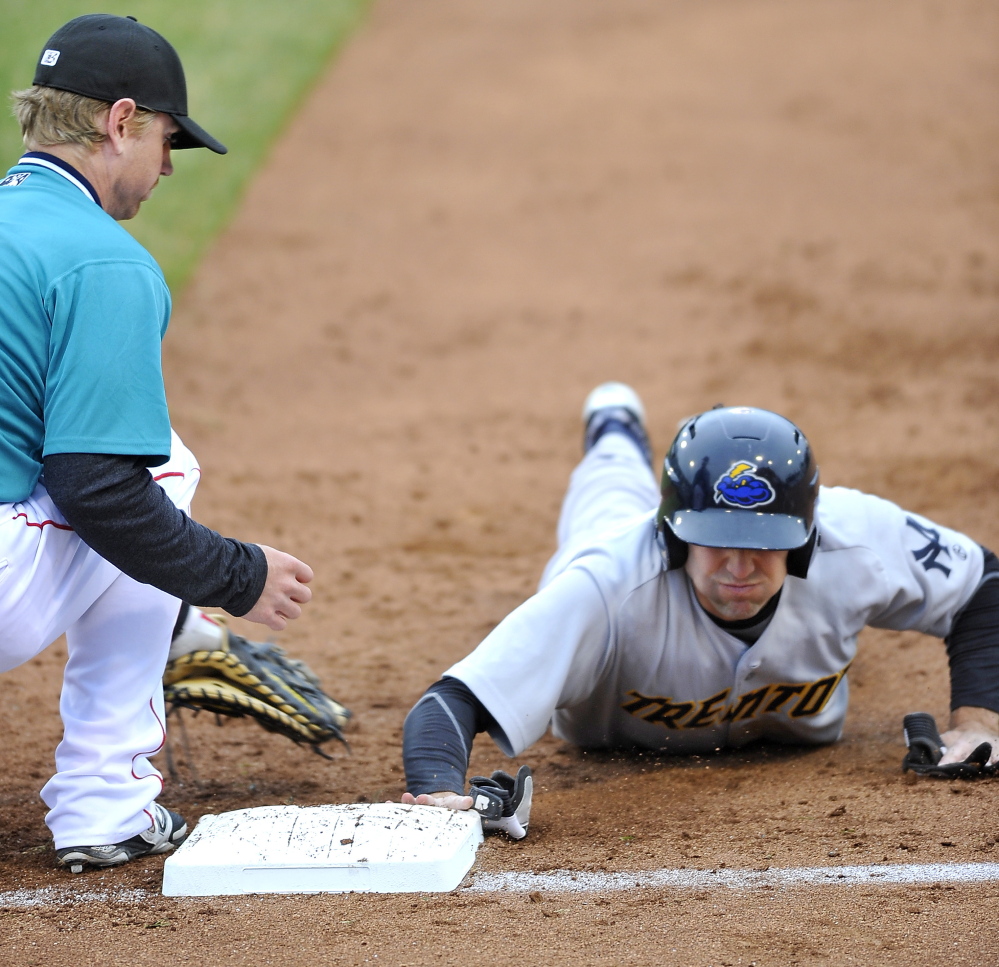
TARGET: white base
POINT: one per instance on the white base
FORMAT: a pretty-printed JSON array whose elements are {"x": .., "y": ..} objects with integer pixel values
[{"x": 361, "y": 848}]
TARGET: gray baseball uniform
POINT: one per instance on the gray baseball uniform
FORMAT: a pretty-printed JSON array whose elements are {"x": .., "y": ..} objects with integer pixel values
[{"x": 615, "y": 650}]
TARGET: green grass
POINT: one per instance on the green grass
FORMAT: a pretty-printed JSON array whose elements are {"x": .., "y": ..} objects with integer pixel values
[{"x": 248, "y": 65}]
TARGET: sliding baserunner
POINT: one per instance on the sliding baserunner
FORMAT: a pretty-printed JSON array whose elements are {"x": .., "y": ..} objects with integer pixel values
[{"x": 728, "y": 615}]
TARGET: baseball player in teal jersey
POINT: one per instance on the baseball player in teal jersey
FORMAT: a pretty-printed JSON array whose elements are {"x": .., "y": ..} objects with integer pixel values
[
  {"x": 728, "y": 615},
  {"x": 95, "y": 538}
]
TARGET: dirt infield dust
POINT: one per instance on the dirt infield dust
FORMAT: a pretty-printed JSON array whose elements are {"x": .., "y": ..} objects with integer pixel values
[{"x": 483, "y": 210}]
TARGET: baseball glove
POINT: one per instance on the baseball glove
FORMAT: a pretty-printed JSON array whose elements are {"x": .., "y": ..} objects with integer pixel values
[
  {"x": 503, "y": 801},
  {"x": 926, "y": 750},
  {"x": 260, "y": 681}
]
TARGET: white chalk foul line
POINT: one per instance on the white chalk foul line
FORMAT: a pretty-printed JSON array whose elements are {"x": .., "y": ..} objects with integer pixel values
[
  {"x": 50, "y": 896},
  {"x": 567, "y": 881}
]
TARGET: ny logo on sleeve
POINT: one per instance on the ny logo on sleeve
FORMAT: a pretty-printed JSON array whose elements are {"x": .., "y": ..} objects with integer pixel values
[{"x": 928, "y": 555}]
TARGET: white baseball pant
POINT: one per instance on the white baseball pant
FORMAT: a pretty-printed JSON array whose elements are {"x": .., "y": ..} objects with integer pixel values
[
  {"x": 118, "y": 635},
  {"x": 611, "y": 487}
]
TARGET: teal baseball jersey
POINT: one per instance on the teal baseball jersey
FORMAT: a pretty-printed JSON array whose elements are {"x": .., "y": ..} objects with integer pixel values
[{"x": 83, "y": 310}]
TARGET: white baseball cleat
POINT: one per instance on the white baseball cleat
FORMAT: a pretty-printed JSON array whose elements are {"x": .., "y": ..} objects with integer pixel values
[
  {"x": 615, "y": 408},
  {"x": 167, "y": 831},
  {"x": 618, "y": 395}
]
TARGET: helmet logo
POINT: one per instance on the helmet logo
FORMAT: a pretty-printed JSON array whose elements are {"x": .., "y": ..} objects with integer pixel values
[{"x": 740, "y": 487}]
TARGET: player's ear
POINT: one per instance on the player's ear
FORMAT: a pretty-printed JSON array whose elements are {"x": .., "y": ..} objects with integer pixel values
[{"x": 120, "y": 116}]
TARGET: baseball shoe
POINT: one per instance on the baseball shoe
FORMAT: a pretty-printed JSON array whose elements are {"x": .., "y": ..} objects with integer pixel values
[
  {"x": 168, "y": 830},
  {"x": 615, "y": 408}
]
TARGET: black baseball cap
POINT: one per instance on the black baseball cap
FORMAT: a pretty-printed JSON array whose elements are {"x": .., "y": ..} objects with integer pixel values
[{"x": 107, "y": 58}]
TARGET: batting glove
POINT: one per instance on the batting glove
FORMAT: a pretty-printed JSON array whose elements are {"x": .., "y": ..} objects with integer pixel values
[
  {"x": 504, "y": 802},
  {"x": 926, "y": 749}
]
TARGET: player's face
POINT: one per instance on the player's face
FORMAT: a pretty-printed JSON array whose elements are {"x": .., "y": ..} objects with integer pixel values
[
  {"x": 732, "y": 583},
  {"x": 146, "y": 158}
]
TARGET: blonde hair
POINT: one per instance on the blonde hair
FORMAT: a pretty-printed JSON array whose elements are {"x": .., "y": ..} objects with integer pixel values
[{"x": 50, "y": 116}]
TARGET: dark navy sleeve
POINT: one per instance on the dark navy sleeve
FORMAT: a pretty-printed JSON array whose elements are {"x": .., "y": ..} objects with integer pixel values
[
  {"x": 437, "y": 737},
  {"x": 116, "y": 508},
  {"x": 973, "y": 644}
]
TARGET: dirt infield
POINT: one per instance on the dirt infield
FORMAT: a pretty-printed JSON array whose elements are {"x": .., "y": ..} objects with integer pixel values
[{"x": 484, "y": 210}]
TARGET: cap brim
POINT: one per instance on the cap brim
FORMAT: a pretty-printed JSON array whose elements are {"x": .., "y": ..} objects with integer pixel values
[
  {"x": 192, "y": 135},
  {"x": 752, "y": 530}
]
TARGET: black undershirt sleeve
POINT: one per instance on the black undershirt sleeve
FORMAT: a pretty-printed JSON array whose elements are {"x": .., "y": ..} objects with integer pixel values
[
  {"x": 973, "y": 644},
  {"x": 116, "y": 508},
  {"x": 437, "y": 737}
]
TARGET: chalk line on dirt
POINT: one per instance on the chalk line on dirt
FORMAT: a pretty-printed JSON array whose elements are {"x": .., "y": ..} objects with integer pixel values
[
  {"x": 568, "y": 881},
  {"x": 50, "y": 896}
]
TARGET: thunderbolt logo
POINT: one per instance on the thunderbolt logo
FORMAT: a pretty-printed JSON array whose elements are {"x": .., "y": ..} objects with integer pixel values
[{"x": 741, "y": 487}]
